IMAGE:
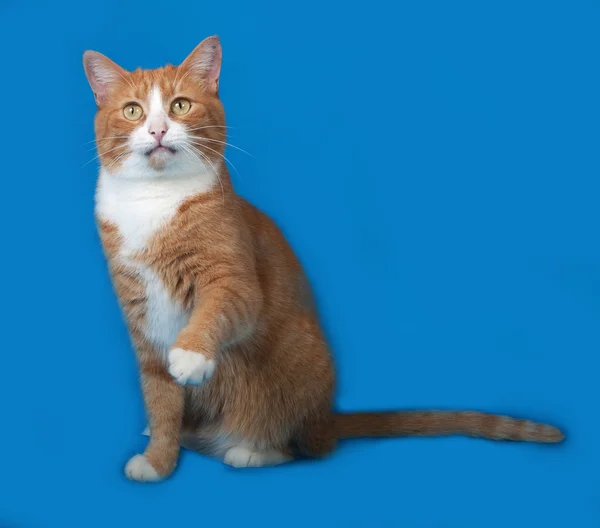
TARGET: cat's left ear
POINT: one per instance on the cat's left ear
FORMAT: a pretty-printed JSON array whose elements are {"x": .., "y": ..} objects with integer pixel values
[
  {"x": 102, "y": 74},
  {"x": 204, "y": 64}
]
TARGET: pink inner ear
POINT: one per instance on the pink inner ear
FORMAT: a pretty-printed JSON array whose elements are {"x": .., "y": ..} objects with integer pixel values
[
  {"x": 205, "y": 63},
  {"x": 100, "y": 94},
  {"x": 101, "y": 72},
  {"x": 215, "y": 65}
]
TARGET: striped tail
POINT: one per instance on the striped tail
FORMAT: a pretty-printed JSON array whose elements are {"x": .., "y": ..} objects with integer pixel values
[{"x": 443, "y": 423}]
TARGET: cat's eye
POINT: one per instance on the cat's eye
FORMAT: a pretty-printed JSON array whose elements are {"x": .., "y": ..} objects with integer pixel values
[
  {"x": 180, "y": 106},
  {"x": 133, "y": 112}
]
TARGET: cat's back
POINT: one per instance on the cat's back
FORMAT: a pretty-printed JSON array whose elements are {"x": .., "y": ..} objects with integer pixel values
[{"x": 282, "y": 276}]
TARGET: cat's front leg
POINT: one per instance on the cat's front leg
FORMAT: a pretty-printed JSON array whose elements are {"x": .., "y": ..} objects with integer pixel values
[
  {"x": 164, "y": 400},
  {"x": 226, "y": 311}
]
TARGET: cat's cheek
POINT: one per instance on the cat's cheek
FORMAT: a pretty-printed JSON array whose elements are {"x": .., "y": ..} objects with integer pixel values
[
  {"x": 198, "y": 111},
  {"x": 190, "y": 368}
]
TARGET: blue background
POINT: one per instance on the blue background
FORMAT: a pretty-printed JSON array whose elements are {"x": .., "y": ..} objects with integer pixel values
[{"x": 434, "y": 164}]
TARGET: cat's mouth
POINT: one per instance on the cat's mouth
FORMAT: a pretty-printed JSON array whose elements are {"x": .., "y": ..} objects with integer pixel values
[{"x": 160, "y": 150}]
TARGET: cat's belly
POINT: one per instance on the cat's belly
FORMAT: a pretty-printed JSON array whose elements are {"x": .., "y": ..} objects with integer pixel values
[{"x": 165, "y": 318}]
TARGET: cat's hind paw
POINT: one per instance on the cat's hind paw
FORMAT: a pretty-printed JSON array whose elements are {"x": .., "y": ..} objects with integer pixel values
[{"x": 241, "y": 456}]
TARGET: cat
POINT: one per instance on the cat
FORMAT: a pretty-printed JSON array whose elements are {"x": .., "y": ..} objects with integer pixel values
[{"x": 232, "y": 358}]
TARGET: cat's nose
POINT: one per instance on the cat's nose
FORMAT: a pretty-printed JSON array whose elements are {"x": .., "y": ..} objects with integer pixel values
[{"x": 158, "y": 132}]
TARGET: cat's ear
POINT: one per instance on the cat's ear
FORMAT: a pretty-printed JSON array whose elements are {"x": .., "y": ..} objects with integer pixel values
[
  {"x": 204, "y": 64},
  {"x": 102, "y": 74}
]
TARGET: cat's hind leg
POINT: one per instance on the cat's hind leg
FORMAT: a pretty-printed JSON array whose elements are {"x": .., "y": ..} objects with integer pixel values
[{"x": 233, "y": 452}]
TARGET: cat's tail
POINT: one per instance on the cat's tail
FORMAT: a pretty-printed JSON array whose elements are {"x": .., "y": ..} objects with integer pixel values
[{"x": 443, "y": 423}]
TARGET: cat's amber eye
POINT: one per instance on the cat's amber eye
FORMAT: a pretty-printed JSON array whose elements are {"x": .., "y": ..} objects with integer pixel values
[
  {"x": 133, "y": 112},
  {"x": 180, "y": 106}
]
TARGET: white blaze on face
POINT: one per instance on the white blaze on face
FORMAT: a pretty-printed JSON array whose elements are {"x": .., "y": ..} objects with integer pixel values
[
  {"x": 142, "y": 138},
  {"x": 157, "y": 121},
  {"x": 157, "y": 126}
]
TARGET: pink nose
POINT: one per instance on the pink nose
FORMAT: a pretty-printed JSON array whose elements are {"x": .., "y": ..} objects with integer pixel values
[{"x": 158, "y": 133}]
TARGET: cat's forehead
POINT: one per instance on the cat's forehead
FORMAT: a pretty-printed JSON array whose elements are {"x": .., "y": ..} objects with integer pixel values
[{"x": 168, "y": 80}]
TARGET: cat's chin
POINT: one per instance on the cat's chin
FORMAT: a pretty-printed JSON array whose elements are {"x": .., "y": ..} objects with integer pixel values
[{"x": 159, "y": 158}]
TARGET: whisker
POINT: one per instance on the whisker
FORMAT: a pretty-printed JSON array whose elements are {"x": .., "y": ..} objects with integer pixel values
[
  {"x": 204, "y": 127},
  {"x": 228, "y": 144},
  {"x": 219, "y": 154},
  {"x": 192, "y": 150},
  {"x": 117, "y": 159},
  {"x": 104, "y": 139},
  {"x": 114, "y": 162},
  {"x": 95, "y": 147},
  {"x": 109, "y": 150},
  {"x": 210, "y": 126},
  {"x": 204, "y": 156}
]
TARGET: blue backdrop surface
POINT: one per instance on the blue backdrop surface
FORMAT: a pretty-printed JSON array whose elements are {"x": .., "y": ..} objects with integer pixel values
[{"x": 435, "y": 166}]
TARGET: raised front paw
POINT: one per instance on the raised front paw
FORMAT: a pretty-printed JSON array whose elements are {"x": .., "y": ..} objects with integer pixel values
[
  {"x": 139, "y": 469},
  {"x": 188, "y": 367}
]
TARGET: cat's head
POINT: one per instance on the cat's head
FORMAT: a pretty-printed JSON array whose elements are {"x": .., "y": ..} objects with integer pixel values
[{"x": 166, "y": 122}]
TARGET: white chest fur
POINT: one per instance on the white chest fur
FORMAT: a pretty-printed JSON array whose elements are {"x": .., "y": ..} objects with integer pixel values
[{"x": 138, "y": 209}]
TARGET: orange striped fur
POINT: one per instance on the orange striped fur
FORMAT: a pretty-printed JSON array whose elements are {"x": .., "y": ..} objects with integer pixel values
[{"x": 232, "y": 357}]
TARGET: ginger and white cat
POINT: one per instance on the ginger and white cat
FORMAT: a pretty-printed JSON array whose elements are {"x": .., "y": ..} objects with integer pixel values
[{"x": 232, "y": 358}]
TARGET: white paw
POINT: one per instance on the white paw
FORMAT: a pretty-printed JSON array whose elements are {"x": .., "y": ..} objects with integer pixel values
[
  {"x": 190, "y": 367},
  {"x": 139, "y": 469},
  {"x": 241, "y": 456}
]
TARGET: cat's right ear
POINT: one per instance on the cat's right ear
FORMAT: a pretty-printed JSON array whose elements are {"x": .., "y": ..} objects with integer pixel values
[{"x": 102, "y": 74}]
